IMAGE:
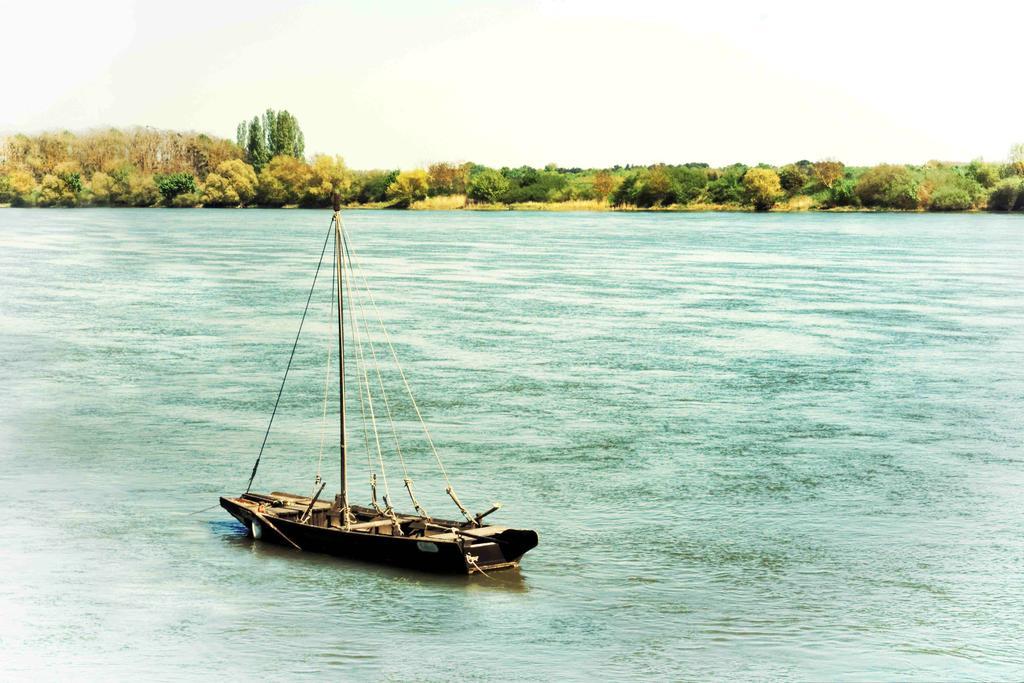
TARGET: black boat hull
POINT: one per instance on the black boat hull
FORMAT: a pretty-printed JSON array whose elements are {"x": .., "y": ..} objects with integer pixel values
[{"x": 462, "y": 556}]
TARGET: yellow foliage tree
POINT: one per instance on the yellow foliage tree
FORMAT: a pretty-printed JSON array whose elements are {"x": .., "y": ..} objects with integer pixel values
[
  {"x": 23, "y": 188},
  {"x": 327, "y": 176},
  {"x": 828, "y": 172},
  {"x": 234, "y": 183},
  {"x": 763, "y": 187},
  {"x": 447, "y": 179},
  {"x": 53, "y": 191},
  {"x": 100, "y": 187},
  {"x": 218, "y": 191},
  {"x": 409, "y": 187},
  {"x": 241, "y": 176},
  {"x": 604, "y": 184},
  {"x": 142, "y": 190},
  {"x": 148, "y": 150},
  {"x": 285, "y": 180}
]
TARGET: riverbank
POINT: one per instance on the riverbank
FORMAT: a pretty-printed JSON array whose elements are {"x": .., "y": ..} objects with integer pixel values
[
  {"x": 144, "y": 167},
  {"x": 553, "y": 207}
]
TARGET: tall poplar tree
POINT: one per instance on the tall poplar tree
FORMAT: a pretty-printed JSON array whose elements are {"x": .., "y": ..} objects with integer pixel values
[
  {"x": 270, "y": 130},
  {"x": 280, "y": 134},
  {"x": 256, "y": 152},
  {"x": 242, "y": 135}
]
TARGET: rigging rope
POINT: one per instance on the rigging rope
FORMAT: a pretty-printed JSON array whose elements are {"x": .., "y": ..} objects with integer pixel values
[
  {"x": 327, "y": 389},
  {"x": 291, "y": 357},
  {"x": 383, "y": 392},
  {"x": 362, "y": 403},
  {"x": 450, "y": 490},
  {"x": 364, "y": 380},
  {"x": 388, "y": 510}
]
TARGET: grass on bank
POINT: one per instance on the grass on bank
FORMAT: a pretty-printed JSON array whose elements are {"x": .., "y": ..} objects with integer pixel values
[{"x": 440, "y": 203}]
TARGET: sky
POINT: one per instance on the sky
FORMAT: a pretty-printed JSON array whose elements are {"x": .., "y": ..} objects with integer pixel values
[{"x": 578, "y": 83}]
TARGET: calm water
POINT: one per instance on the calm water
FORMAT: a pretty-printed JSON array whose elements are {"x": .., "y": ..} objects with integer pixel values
[{"x": 755, "y": 447}]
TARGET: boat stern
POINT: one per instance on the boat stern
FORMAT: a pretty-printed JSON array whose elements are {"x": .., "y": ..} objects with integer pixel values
[{"x": 503, "y": 550}]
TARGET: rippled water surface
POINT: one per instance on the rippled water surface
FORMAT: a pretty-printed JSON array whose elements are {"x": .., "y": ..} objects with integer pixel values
[{"x": 755, "y": 447}]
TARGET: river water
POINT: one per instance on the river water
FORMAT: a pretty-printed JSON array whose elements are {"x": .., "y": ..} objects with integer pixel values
[{"x": 754, "y": 446}]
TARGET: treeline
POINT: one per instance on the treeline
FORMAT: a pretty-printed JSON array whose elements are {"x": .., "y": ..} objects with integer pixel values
[{"x": 266, "y": 166}]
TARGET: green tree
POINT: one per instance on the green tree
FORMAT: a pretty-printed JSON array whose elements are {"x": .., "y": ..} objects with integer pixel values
[
  {"x": 274, "y": 134},
  {"x": 242, "y": 134},
  {"x": 371, "y": 187},
  {"x": 488, "y": 186},
  {"x": 626, "y": 191},
  {"x": 72, "y": 180},
  {"x": 1008, "y": 195},
  {"x": 951, "y": 198},
  {"x": 948, "y": 189},
  {"x": 269, "y": 121},
  {"x": 792, "y": 178},
  {"x": 763, "y": 187},
  {"x": 986, "y": 175},
  {"x": 842, "y": 193},
  {"x": 577, "y": 187},
  {"x": 284, "y": 136},
  {"x": 727, "y": 187},
  {"x": 256, "y": 152},
  {"x": 689, "y": 181},
  {"x": 888, "y": 187},
  {"x": 174, "y": 184},
  {"x": 537, "y": 186},
  {"x": 655, "y": 187},
  {"x": 524, "y": 176}
]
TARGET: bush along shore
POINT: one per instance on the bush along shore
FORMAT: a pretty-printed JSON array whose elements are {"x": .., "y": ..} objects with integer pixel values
[{"x": 265, "y": 166}]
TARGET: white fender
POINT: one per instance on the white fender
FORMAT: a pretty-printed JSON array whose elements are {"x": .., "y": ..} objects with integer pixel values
[{"x": 256, "y": 528}]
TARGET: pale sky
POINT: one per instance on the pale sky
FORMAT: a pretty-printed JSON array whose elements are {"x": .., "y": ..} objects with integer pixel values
[{"x": 578, "y": 83}]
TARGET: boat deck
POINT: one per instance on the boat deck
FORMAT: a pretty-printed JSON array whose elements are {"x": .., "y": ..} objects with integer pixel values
[{"x": 292, "y": 506}]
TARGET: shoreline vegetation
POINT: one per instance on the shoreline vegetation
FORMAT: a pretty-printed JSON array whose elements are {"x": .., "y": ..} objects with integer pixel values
[{"x": 266, "y": 166}]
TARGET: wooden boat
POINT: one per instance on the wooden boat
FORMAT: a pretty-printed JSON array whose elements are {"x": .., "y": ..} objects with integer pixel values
[{"x": 375, "y": 532}]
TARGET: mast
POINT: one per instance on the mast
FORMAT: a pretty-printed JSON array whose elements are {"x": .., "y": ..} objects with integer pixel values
[{"x": 338, "y": 263}]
